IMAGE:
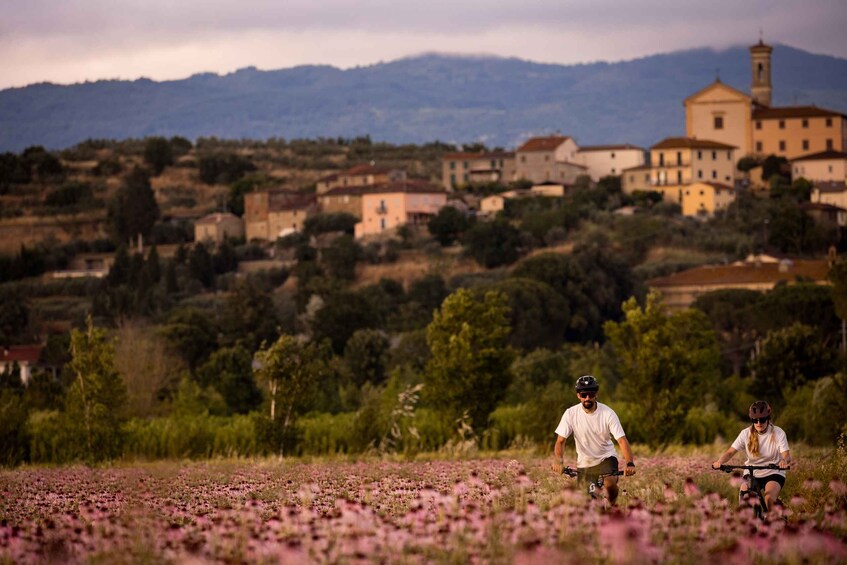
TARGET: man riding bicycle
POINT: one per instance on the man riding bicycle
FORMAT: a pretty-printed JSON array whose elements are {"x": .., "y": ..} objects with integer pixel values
[{"x": 593, "y": 425}]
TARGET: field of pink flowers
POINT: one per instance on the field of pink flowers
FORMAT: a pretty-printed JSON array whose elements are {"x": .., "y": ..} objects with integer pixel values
[{"x": 484, "y": 510}]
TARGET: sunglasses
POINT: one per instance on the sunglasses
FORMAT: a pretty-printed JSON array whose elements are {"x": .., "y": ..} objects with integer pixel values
[
  {"x": 587, "y": 394},
  {"x": 759, "y": 420}
]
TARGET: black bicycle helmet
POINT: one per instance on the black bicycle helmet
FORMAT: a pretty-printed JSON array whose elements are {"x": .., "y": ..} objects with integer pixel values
[
  {"x": 760, "y": 409},
  {"x": 587, "y": 383}
]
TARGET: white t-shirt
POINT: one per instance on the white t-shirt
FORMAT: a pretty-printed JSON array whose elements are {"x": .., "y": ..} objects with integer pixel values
[
  {"x": 771, "y": 444},
  {"x": 591, "y": 433}
]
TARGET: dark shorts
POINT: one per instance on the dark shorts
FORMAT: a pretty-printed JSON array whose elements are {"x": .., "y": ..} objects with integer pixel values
[
  {"x": 591, "y": 474},
  {"x": 758, "y": 483}
]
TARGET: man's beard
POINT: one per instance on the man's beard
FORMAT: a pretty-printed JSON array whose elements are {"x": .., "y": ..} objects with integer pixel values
[{"x": 588, "y": 404}]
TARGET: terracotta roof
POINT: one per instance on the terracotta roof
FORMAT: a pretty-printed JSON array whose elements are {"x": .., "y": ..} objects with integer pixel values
[
  {"x": 365, "y": 170},
  {"x": 282, "y": 200},
  {"x": 690, "y": 143},
  {"x": 328, "y": 178},
  {"x": 761, "y": 46},
  {"x": 408, "y": 186},
  {"x": 831, "y": 185},
  {"x": 822, "y": 206},
  {"x": 492, "y": 155},
  {"x": 749, "y": 273},
  {"x": 793, "y": 112},
  {"x": 608, "y": 147},
  {"x": 822, "y": 156},
  {"x": 217, "y": 218},
  {"x": 543, "y": 143},
  {"x": 21, "y": 353}
]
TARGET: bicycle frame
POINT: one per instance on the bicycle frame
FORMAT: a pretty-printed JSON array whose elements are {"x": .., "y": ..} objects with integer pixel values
[
  {"x": 757, "y": 508},
  {"x": 595, "y": 485}
]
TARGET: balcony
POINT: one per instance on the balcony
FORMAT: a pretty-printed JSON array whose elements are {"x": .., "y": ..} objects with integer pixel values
[{"x": 382, "y": 209}]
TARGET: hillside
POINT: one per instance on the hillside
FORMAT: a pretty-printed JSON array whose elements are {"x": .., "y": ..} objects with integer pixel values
[{"x": 419, "y": 99}]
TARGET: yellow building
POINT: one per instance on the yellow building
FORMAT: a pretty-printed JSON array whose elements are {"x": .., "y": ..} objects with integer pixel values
[
  {"x": 681, "y": 161},
  {"x": 721, "y": 113},
  {"x": 388, "y": 206},
  {"x": 823, "y": 166},
  {"x": 706, "y": 198},
  {"x": 795, "y": 131}
]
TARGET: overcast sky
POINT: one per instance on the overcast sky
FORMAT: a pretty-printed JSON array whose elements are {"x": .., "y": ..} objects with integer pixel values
[{"x": 67, "y": 41}]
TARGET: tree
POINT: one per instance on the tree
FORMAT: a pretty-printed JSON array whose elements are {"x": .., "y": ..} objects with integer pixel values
[
  {"x": 249, "y": 316},
  {"x": 192, "y": 335},
  {"x": 147, "y": 366},
  {"x": 493, "y": 244},
  {"x": 229, "y": 371},
  {"x": 787, "y": 359},
  {"x": 133, "y": 210},
  {"x": 289, "y": 370},
  {"x": 365, "y": 355},
  {"x": 340, "y": 257},
  {"x": 733, "y": 316},
  {"x": 669, "y": 364},
  {"x": 340, "y": 316},
  {"x": 14, "y": 316},
  {"x": 158, "y": 154},
  {"x": 538, "y": 315},
  {"x": 469, "y": 367},
  {"x": 448, "y": 225},
  {"x": 838, "y": 276},
  {"x": 95, "y": 405}
]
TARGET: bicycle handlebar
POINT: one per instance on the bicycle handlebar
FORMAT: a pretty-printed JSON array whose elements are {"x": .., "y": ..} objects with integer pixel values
[
  {"x": 576, "y": 472},
  {"x": 730, "y": 468}
]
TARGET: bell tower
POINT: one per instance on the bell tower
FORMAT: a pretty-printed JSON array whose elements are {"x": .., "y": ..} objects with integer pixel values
[{"x": 760, "y": 88}]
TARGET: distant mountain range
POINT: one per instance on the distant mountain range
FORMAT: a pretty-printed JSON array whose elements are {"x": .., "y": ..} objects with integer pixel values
[{"x": 454, "y": 99}]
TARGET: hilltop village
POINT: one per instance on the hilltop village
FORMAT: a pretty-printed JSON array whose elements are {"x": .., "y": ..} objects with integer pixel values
[{"x": 198, "y": 256}]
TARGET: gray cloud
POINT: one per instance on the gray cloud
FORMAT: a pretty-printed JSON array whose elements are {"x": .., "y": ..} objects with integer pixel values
[{"x": 77, "y": 39}]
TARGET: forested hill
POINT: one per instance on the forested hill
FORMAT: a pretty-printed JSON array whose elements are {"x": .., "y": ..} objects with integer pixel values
[{"x": 419, "y": 99}]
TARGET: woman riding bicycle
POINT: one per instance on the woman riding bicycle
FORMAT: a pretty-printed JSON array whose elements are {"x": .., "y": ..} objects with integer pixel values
[
  {"x": 593, "y": 424},
  {"x": 765, "y": 445}
]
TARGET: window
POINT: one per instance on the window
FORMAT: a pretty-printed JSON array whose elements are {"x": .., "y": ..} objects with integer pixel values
[
  {"x": 613, "y": 154},
  {"x": 679, "y": 157},
  {"x": 465, "y": 177},
  {"x": 718, "y": 122},
  {"x": 781, "y": 124},
  {"x": 465, "y": 164},
  {"x": 661, "y": 159},
  {"x": 729, "y": 155},
  {"x": 452, "y": 165},
  {"x": 699, "y": 174},
  {"x": 699, "y": 154},
  {"x": 805, "y": 123},
  {"x": 679, "y": 177},
  {"x": 758, "y": 147},
  {"x": 453, "y": 180},
  {"x": 523, "y": 158},
  {"x": 829, "y": 122},
  {"x": 782, "y": 146},
  {"x": 805, "y": 145},
  {"x": 830, "y": 168},
  {"x": 613, "y": 170},
  {"x": 702, "y": 193},
  {"x": 829, "y": 145},
  {"x": 493, "y": 164},
  {"x": 758, "y": 124},
  {"x": 714, "y": 155},
  {"x": 714, "y": 174},
  {"x": 547, "y": 157}
]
